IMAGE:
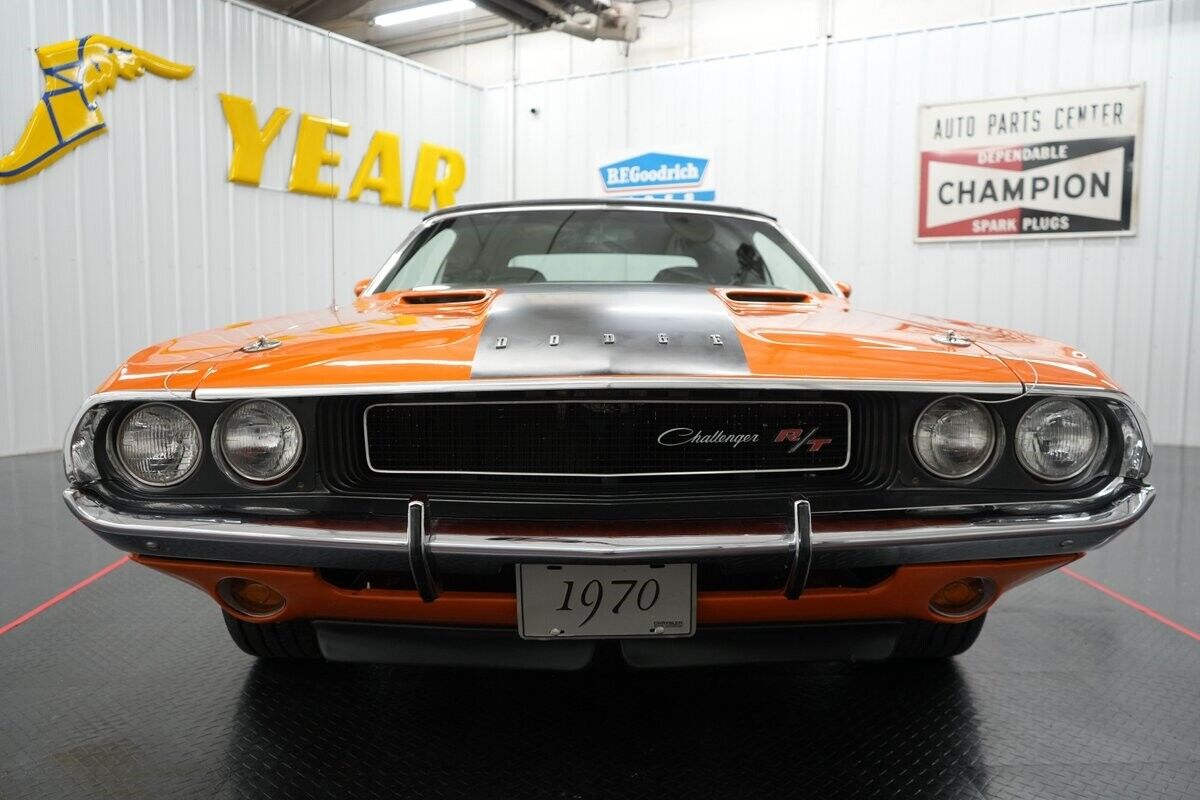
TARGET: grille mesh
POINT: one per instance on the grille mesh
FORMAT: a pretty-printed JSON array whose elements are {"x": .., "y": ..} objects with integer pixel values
[
  {"x": 607, "y": 438},
  {"x": 343, "y": 463}
]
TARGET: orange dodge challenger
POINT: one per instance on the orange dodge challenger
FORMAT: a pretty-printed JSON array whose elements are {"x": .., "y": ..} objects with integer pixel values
[{"x": 659, "y": 428}]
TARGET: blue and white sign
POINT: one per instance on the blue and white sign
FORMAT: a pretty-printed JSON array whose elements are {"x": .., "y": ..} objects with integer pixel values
[{"x": 658, "y": 176}]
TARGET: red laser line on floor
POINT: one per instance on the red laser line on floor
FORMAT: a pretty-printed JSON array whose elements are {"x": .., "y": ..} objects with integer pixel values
[
  {"x": 63, "y": 595},
  {"x": 1129, "y": 601}
]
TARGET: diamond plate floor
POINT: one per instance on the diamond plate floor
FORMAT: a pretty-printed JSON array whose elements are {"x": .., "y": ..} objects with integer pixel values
[{"x": 129, "y": 688}]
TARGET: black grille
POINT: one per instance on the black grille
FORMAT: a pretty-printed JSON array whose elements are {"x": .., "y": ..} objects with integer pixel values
[
  {"x": 344, "y": 469},
  {"x": 594, "y": 438}
]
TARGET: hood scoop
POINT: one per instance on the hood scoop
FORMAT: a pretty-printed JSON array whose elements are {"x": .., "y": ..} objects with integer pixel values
[
  {"x": 749, "y": 301},
  {"x": 443, "y": 301},
  {"x": 443, "y": 298}
]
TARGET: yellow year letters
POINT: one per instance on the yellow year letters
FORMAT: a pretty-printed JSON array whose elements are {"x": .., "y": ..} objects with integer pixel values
[{"x": 439, "y": 173}]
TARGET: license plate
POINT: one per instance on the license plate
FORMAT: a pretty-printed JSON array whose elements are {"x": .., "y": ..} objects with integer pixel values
[{"x": 603, "y": 601}]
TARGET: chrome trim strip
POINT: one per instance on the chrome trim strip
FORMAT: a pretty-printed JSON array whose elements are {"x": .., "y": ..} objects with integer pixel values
[
  {"x": 104, "y": 519},
  {"x": 995, "y": 530},
  {"x": 613, "y": 383},
  {"x": 563, "y": 549},
  {"x": 1106, "y": 492},
  {"x": 844, "y": 464},
  {"x": 616, "y": 383},
  {"x": 1124, "y": 512}
]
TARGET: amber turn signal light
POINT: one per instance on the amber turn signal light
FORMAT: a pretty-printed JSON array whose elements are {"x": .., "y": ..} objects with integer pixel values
[
  {"x": 251, "y": 598},
  {"x": 962, "y": 597}
]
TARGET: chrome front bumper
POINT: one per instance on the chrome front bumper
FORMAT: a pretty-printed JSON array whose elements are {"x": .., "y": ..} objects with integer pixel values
[{"x": 379, "y": 545}]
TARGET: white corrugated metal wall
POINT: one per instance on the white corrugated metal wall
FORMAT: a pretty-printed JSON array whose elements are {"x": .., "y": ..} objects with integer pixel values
[
  {"x": 825, "y": 136},
  {"x": 137, "y": 236}
]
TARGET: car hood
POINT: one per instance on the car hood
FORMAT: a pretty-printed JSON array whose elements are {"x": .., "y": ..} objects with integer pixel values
[{"x": 551, "y": 330}]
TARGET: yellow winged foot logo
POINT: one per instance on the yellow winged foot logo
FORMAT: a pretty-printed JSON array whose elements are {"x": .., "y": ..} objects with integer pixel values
[{"x": 76, "y": 73}]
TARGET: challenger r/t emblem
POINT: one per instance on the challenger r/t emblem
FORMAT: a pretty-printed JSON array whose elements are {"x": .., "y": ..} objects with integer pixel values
[
  {"x": 77, "y": 72},
  {"x": 798, "y": 437}
]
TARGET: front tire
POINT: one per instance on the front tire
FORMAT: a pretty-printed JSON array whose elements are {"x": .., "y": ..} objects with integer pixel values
[
  {"x": 929, "y": 640},
  {"x": 293, "y": 640}
]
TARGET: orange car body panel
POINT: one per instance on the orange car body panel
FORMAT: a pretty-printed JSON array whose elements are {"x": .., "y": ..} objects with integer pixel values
[
  {"x": 388, "y": 339},
  {"x": 402, "y": 337},
  {"x": 903, "y": 595}
]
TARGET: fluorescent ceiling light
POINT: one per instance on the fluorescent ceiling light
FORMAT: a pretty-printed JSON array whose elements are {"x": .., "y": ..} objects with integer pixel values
[{"x": 407, "y": 15}]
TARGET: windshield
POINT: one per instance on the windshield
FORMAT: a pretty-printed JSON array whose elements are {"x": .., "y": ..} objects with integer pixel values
[{"x": 600, "y": 245}]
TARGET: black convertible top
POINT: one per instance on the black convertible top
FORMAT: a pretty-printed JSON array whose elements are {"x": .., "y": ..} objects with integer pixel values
[{"x": 624, "y": 202}]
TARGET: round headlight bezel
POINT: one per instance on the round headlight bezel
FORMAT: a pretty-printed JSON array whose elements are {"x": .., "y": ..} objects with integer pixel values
[
  {"x": 983, "y": 466},
  {"x": 1097, "y": 449},
  {"x": 227, "y": 465},
  {"x": 117, "y": 452}
]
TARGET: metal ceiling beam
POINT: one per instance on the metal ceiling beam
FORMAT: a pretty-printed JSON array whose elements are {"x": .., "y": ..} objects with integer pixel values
[
  {"x": 526, "y": 13},
  {"x": 317, "y": 12}
]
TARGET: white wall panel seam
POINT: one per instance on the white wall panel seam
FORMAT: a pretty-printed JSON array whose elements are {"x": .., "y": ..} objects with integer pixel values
[
  {"x": 205, "y": 250},
  {"x": 144, "y": 204},
  {"x": 1148, "y": 398},
  {"x": 47, "y": 363},
  {"x": 116, "y": 318},
  {"x": 1119, "y": 245},
  {"x": 1190, "y": 419},
  {"x": 819, "y": 151},
  {"x": 174, "y": 134},
  {"x": 6, "y": 302},
  {"x": 1080, "y": 244},
  {"x": 229, "y": 186},
  {"x": 280, "y": 203},
  {"x": 333, "y": 249},
  {"x": 258, "y": 286},
  {"x": 80, "y": 299}
]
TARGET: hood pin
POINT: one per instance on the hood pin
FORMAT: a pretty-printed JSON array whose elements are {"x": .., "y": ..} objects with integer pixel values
[
  {"x": 953, "y": 338},
  {"x": 260, "y": 344}
]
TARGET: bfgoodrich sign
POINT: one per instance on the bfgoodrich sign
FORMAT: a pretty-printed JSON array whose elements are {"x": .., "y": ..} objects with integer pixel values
[
  {"x": 657, "y": 175},
  {"x": 1061, "y": 164}
]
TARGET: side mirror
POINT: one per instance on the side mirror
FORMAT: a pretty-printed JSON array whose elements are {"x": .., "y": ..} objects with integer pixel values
[
  {"x": 361, "y": 286},
  {"x": 844, "y": 288}
]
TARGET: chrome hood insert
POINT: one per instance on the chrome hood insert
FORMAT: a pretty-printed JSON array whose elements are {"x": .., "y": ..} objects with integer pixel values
[{"x": 634, "y": 329}]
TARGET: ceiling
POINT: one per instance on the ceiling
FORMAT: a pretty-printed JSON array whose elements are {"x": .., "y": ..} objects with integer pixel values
[{"x": 352, "y": 18}]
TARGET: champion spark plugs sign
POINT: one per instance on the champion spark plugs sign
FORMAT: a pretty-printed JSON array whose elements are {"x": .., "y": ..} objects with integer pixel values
[{"x": 1062, "y": 164}]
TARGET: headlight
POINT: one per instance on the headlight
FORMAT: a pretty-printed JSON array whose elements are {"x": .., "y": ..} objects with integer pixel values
[
  {"x": 159, "y": 445},
  {"x": 260, "y": 440},
  {"x": 81, "y": 448},
  {"x": 1057, "y": 439},
  {"x": 1137, "y": 449},
  {"x": 954, "y": 437}
]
